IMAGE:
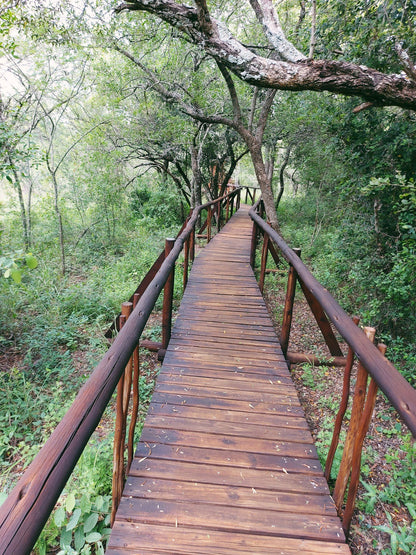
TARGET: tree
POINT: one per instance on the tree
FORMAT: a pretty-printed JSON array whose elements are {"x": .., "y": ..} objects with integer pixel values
[{"x": 288, "y": 68}]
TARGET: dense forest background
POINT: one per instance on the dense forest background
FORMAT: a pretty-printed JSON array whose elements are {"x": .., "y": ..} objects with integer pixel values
[{"x": 112, "y": 126}]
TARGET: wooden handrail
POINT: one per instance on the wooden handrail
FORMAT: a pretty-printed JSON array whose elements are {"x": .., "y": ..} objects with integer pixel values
[
  {"x": 397, "y": 390},
  {"x": 27, "y": 508}
]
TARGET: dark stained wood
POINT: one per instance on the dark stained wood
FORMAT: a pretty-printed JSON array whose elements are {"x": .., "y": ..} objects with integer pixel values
[
  {"x": 225, "y": 463},
  {"x": 288, "y": 308},
  {"x": 322, "y": 322},
  {"x": 397, "y": 389}
]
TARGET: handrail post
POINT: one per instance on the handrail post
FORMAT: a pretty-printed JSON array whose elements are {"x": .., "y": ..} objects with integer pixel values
[
  {"x": 238, "y": 199},
  {"x": 136, "y": 396},
  {"x": 288, "y": 310},
  {"x": 246, "y": 195},
  {"x": 192, "y": 245},
  {"x": 358, "y": 447},
  {"x": 356, "y": 414},
  {"x": 167, "y": 299},
  {"x": 218, "y": 216},
  {"x": 122, "y": 405},
  {"x": 186, "y": 255},
  {"x": 209, "y": 221},
  {"x": 264, "y": 253},
  {"x": 253, "y": 245},
  {"x": 342, "y": 408},
  {"x": 227, "y": 210}
]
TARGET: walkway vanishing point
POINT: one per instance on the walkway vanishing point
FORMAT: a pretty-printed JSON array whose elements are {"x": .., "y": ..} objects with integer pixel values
[{"x": 226, "y": 463}]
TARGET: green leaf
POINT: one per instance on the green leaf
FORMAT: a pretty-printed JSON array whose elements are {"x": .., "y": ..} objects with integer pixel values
[
  {"x": 3, "y": 497},
  {"x": 31, "y": 261},
  {"x": 59, "y": 516},
  {"x": 85, "y": 504},
  {"x": 74, "y": 519},
  {"x": 66, "y": 539},
  {"x": 90, "y": 522},
  {"x": 93, "y": 537},
  {"x": 16, "y": 275},
  {"x": 79, "y": 539},
  {"x": 70, "y": 503}
]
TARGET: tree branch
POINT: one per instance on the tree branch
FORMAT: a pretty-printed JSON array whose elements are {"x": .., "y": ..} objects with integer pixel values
[
  {"x": 408, "y": 66},
  {"x": 312, "y": 42},
  {"x": 317, "y": 75},
  {"x": 171, "y": 96},
  {"x": 232, "y": 92},
  {"x": 268, "y": 18}
]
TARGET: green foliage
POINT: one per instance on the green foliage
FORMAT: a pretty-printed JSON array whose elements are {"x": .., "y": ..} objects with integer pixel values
[
  {"x": 402, "y": 538},
  {"x": 80, "y": 525},
  {"x": 14, "y": 265},
  {"x": 367, "y": 31},
  {"x": 156, "y": 206}
]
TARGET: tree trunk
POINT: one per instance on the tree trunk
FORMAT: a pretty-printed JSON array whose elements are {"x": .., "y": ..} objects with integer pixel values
[
  {"x": 18, "y": 187},
  {"x": 60, "y": 223},
  {"x": 263, "y": 181},
  {"x": 282, "y": 176}
]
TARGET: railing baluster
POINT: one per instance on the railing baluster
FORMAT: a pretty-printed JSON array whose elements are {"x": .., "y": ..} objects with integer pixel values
[
  {"x": 358, "y": 447},
  {"x": 253, "y": 245},
  {"x": 209, "y": 221},
  {"x": 122, "y": 404},
  {"x": 264, "y": 253},
  {"x": 356, "y": 413},
  {"x": 288, "y": 309},
  {"x": 136, "y": 397},
  {"x": 187, "y": 248},
  {"x": 342, "y": 408},
  {"x": 167, "y": 299}
]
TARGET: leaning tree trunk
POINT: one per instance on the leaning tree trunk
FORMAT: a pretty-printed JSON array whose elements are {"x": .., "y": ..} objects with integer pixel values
[{"x": 264, "y": 182}]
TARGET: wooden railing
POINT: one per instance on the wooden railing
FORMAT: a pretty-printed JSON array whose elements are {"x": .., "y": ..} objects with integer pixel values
[
  {"x": 26, "y": 510},
  {"x": 371, "y": 361}
]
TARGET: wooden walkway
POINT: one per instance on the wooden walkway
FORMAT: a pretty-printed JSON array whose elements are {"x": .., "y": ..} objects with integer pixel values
[{"x": 226, "y": 463}]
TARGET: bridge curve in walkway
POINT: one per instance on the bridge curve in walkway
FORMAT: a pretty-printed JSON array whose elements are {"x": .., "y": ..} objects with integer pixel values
[{"x": 226, "y": 463}]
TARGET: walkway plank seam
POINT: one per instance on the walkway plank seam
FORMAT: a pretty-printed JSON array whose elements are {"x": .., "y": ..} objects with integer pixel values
[{"x": 226, "y": 463}]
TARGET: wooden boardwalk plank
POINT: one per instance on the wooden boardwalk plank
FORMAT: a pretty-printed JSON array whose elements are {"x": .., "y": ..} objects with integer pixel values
[{"x": 226, "y": 463}]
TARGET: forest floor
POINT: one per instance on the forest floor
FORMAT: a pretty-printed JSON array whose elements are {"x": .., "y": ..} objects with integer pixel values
[{"x": 319, "y": 390}]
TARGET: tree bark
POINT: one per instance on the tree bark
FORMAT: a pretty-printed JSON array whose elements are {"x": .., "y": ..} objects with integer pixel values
[
  {"x": 318, "y": 75},
  {"x": 282, "y": 176}
]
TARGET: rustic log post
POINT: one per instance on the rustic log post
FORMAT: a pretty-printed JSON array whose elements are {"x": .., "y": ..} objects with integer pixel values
[
  {"x": 167, "y": 299},
  {"x": 342, "y": 408},
  {"x": 209, "y": 221},
  {"x": 288, "y": 309},
  {"x": 358, "y": 448},
  {"x": 246, "y": 195},
  {"x": 322, "y": 321},
  {"x": 238, "y": 199},
  {"x": 187, "y": 248},
  {"x": 274, "y": 254},
  {"x": 218, "y": 216},
  {"x": 264, "y": 252},
  {"x": 120, "y": 427},
  {"x": 227, "y": 209},
  {"x": 253, "y": 246},
  {"x": 136, "y": 397},
  {"x": 192, "y": 245},
  {"x": 353, "y": 429},
  {"x": 232, "y": 206}
]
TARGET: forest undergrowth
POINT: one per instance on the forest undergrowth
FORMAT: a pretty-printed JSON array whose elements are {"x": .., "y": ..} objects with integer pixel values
[{"x": 53, "y": 335}]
